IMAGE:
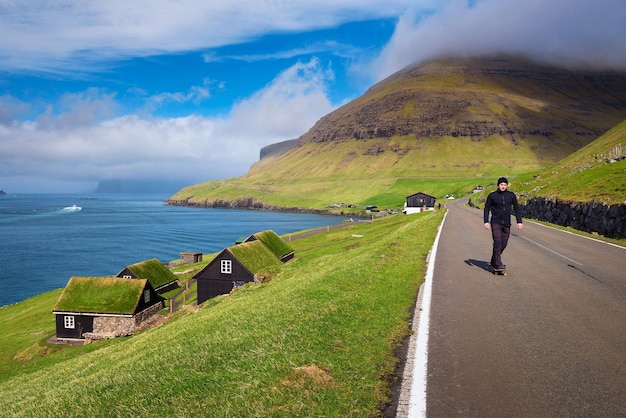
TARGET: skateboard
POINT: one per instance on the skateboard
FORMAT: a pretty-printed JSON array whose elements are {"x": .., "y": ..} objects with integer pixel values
[{"x": 498, "y": 272}]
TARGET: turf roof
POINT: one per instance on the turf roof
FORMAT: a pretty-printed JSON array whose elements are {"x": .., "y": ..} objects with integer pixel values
[
  {"x": 254, "y": 256},
  {"x": 275, "y": 243},
  {"x": 154, "y": 271},
  {"x": 101, "y": 295}
]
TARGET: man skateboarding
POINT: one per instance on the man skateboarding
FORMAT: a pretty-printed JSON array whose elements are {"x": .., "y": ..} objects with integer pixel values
[{"x": 499, "y": 204}]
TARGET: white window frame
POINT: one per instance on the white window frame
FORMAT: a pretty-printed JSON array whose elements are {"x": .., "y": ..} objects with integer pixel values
[
  {"x": 226, "y": 266},
  {"x": 146, "y": 295},
  {"x": 69, "y": 322}
]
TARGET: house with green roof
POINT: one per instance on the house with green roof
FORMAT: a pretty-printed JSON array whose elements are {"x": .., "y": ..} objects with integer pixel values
[
  {"x": 276, "y": 244},
  {"x": 99, "y": 307},
  {"x": 235, "y": 266},
  {"x": 159, "y": 276}
]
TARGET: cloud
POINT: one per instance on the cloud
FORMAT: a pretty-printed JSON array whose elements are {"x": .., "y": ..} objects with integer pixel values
[
  {"x": 332, "y": 47},
  {"x": 73, "y": 35},
  {"x": 75, "y": 142},
  {"x": 567, "y": 32}
]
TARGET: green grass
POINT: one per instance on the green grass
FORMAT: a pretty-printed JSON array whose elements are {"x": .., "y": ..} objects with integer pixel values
[
  {"x": 318, "y": 340},
  {"x": 386, "y": 192},
  {"x": 24, "y": 329},
  {"x": 585, "y": 175}
]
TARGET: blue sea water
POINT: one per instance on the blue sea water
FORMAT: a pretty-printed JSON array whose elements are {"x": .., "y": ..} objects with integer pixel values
[{"x": 47, "y": 238}]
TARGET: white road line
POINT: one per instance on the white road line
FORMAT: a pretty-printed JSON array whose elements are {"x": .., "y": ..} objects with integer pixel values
[
  {"x": 552, "y": 251},
  {"x": 577, "y": 235},
  {"x": 417, "y": 397}
]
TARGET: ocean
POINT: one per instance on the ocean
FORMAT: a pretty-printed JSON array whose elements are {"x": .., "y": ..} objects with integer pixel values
[{"x": 47, "y": 238}]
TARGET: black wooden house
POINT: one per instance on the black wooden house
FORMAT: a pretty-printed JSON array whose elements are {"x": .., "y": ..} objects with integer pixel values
[
  {"x": 92, "y": 307},
  {"x": 419, "y": 202},
  {"x": 242, "y": 263}
]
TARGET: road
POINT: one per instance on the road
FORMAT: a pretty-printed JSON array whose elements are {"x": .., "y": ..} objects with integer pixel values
[{"x": 547, "y": 340}]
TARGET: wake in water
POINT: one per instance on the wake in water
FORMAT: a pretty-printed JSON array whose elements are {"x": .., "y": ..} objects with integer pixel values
[{"x": 72, "y": 208}]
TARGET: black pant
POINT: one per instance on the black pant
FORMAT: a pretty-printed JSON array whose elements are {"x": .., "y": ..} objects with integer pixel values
[{"x": 500, "y": 235}]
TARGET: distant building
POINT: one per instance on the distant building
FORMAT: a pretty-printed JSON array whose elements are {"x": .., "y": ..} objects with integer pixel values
[
  {"x": 190, "y": 257},
  {"x": 419, "y": 202}
]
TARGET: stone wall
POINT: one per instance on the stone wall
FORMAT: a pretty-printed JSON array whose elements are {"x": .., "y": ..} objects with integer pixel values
[
  {"x": 117, "y": 326},
  {"x": 606, "y": 220}
]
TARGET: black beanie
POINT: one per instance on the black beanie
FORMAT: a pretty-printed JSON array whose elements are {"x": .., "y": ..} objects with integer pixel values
[{"x": 503, "y": 180}]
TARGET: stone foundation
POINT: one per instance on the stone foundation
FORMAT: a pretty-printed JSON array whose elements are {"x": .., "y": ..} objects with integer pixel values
[{"x": 117, "y": 326}]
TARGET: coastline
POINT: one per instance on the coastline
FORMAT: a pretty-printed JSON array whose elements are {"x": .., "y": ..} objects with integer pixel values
[{"x": 250, "y": 203}]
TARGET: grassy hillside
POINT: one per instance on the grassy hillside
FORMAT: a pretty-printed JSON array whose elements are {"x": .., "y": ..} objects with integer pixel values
[
  {"x": 586, "y": 175},
  {"x": 318, "y": 340},
  {"x": 385, "y": 192}
]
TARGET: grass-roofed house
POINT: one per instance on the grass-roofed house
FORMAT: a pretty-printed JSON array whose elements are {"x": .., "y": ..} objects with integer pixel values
[
  {"x": 99, "y": 307},
  {"x": 276, "y": 244},
  {"x": 159, "y": 276},
  {"x": 237, "y": 265}
]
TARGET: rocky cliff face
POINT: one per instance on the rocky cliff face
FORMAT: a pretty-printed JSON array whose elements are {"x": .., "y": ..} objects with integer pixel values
[{"x": 478, "y": 98}]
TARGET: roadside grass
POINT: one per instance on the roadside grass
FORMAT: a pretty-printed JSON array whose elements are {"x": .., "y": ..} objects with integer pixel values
[{"x": 318, "y": 340}]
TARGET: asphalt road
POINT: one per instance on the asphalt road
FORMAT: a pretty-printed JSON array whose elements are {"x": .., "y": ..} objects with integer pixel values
[{"x": 547, "y": 340}]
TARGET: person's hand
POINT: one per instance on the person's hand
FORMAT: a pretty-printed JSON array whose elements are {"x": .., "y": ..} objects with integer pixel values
[
  {"x": 487, "y": 225},
  {"x": 520, "y": 225}
]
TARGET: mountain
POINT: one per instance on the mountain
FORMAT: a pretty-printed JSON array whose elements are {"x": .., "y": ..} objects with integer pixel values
[
  {"x": 448, "y": 118},
  {"x": 277, "y": 148},
  {"x": 460, "y": 117}
]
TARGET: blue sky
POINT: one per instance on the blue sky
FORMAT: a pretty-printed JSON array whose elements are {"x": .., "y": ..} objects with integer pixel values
[{"x": 190, "y": 91}]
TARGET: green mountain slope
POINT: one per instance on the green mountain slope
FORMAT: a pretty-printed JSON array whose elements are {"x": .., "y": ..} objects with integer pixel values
[
  {"x": 461, "y": 118},
  {"x": 595, "y": 172}
]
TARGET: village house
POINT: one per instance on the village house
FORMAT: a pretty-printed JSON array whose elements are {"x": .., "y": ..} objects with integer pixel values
[
  {"x": 104, "y": 307},
  {"x": 276, "y": 244},
  {"x": 159, "y": 276},
  {"x": 418, "y": 202},
  {"x": 250, "y": 261}
]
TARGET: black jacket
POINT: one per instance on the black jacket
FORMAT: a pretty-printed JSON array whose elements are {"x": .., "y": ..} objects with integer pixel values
[{"x": 499, "y": 204}]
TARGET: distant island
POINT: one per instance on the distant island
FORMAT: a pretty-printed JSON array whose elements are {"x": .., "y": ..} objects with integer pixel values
[{"x": 2, "y": 192}]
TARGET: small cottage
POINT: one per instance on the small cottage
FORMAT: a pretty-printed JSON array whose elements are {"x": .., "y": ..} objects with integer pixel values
[
  {"x": 418, "y": 202},
  {"x": 190, "y": 257},
  {"x": 233, "y": 267},
  {"x": 276, "y": 244},
  {"x": 104, "y": 307},
  {"x": 159, "y": 276}
]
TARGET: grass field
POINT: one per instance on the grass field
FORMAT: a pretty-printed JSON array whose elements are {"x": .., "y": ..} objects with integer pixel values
[{"x": 318, "y": 340}]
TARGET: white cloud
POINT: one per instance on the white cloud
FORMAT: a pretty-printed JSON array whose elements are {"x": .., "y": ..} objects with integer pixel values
[
  {"x": 575, "y": 32},
  {"x": 76, "y": 144},
  {"x": 333, "y": 47},
  {"x": 74, "y": 35}
]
